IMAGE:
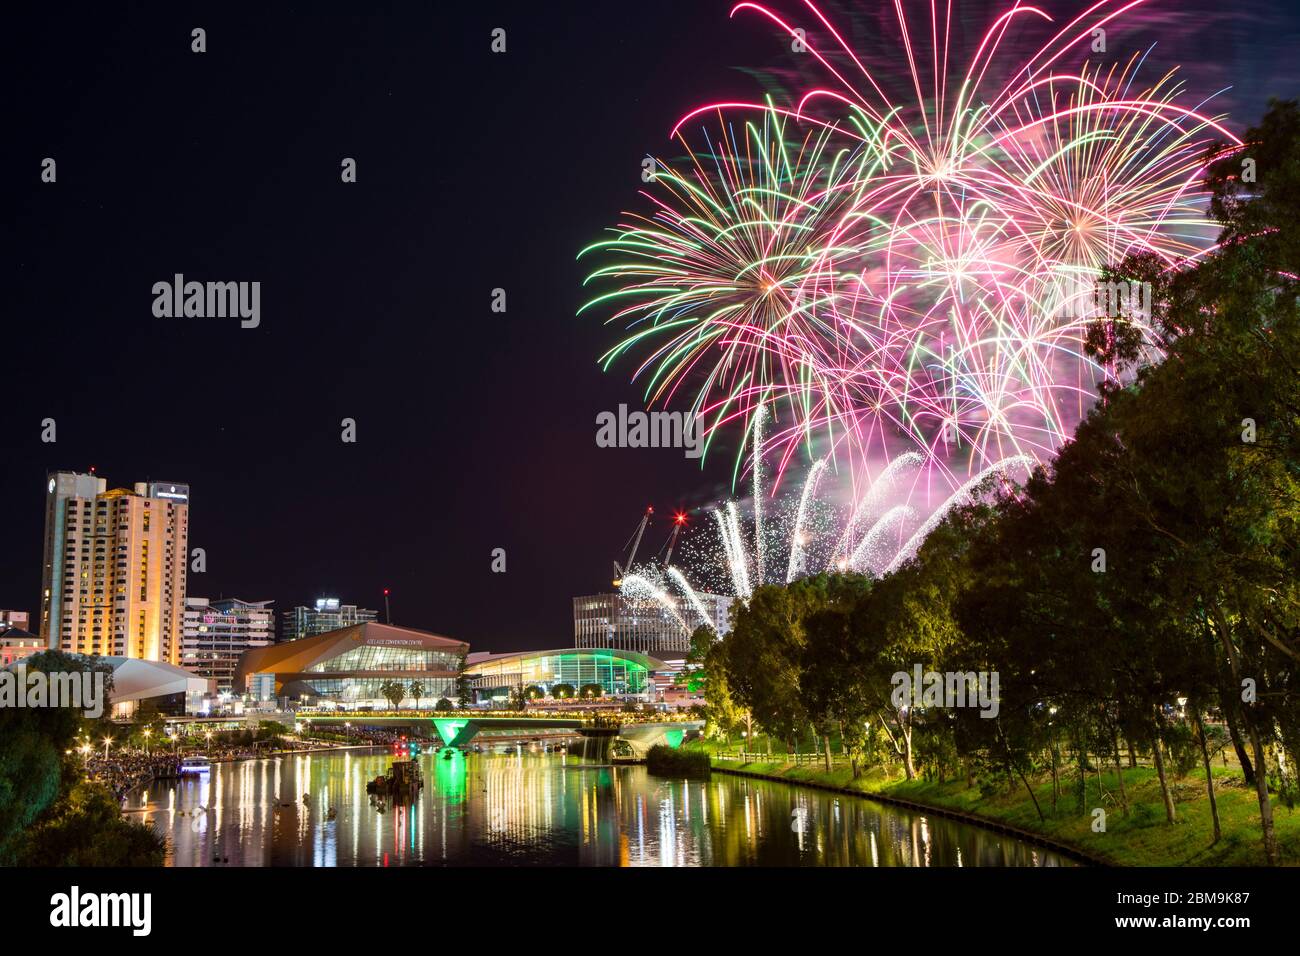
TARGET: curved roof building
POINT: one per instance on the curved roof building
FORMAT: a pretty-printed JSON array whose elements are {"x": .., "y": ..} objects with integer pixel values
[
  {"x": 618, "y": 672},
  {"x": 172, "y": 690},
  {"x": 350, "y": 665}
]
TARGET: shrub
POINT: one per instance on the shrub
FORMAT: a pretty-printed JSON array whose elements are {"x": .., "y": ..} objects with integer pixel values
[{"x": 668, "y": 762}]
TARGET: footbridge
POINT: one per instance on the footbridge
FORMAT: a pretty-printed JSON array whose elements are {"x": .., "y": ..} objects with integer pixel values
[{"x": 461, "y": 730}]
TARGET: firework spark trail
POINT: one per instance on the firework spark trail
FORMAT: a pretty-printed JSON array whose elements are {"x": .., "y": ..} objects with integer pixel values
[
  {"x": 740, "y": 570},
  {"x": 691, "y": 596},
  {"x": 797, "y": 540},
  {"x": 639, "y": 586},
  {"x": 733, "y": 549},
  {"x": 872, "y": 501},
  {"x": 875, "y": 548},
  {"x": 961, "y": 496}
]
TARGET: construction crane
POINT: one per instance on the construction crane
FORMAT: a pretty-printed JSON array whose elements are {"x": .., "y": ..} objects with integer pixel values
[
  {"x": 679, "y": 522},
  {"x": 635, "y": 541}
]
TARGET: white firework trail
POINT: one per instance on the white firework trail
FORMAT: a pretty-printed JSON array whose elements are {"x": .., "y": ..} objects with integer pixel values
[
  {"x": 740, "y": 571},
  {"x": 870, "y": 502},
  {"x": 797, "y": 541},
  {"x": 959, "y": 497},
  {"x": 641, "y": 586},
  {"x": 876, "y": 546},
  {"x": 692, "y": 598},
  {"x": 733, "y": 551}
]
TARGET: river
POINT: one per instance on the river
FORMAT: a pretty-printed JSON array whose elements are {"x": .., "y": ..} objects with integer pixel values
[{"x": 541, "y": 809}]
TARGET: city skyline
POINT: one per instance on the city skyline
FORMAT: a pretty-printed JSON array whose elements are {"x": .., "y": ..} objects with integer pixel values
[{"x": 450, "y": 461}]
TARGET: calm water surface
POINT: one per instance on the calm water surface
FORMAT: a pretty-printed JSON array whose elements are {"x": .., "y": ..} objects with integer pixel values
[{"x": 541, "y": 809}]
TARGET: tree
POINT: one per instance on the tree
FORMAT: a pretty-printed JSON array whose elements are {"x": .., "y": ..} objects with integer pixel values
[
  {"x": 394, "y": 691},
  {"x": 562, "y": 691},
  {"x": 834, "y": 674},
  {"x": 1209, "y": 442},
  {"x": 443, "y": 704},
  {"x": 587, "y": 691},
  {"x": 49, "y": 814},
  {"x": 764, "y": 657},
  {"x": 417, "y": 691},
  {"x": 85, "y": 827}
]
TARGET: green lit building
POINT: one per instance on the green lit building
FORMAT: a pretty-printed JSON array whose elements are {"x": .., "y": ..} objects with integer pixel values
[{"x": 619, "y": 673}]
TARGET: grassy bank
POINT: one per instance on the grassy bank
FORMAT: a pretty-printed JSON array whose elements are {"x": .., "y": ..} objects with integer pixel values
[{"x": 1142, "y": 838}]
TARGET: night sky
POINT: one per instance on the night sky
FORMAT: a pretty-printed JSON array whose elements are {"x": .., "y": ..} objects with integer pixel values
[{"x": 475, "y": 171}]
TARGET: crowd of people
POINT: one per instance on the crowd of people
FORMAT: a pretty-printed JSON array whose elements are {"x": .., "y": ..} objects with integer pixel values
[
  {"x": 126, "y": 768},
  {"x": 123, "y": 770}
]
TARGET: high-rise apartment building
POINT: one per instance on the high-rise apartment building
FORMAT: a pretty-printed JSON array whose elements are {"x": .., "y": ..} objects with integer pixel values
[
  {"x": 327, "y": 615},
  {"x": 115, "y": 561},
  {"x": 216, "y": 633},
  {"x": 628, "y": 623}
]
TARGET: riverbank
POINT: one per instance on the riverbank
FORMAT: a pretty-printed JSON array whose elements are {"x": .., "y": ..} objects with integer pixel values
[
  {"x": 1142, "y": 838},
  {"x": 149, "y": 780}
]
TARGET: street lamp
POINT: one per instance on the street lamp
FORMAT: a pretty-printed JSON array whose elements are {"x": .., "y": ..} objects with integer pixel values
[
  {"x": 147, "y": 732},
  {"x": 107, "y": 741}
]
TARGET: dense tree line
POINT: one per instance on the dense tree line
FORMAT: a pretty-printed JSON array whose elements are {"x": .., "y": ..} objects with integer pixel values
[
  {"x": 1139, "y": 593},
  {"x": 50, "y": 814}
]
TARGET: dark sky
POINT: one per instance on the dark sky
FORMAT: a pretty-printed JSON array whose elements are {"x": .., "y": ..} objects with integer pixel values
[{"x": 476, "y": 171}]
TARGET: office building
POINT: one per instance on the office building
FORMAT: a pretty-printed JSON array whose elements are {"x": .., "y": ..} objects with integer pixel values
[
  {"x": 114, "y": 569},
  {"x": 216, "y": 634},
  {"x": 328, "y": 615},
  {"x": 643, "y": 625}
]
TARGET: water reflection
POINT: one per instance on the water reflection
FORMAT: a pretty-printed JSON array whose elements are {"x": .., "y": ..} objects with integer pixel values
[{"x": 521, "y": 809}]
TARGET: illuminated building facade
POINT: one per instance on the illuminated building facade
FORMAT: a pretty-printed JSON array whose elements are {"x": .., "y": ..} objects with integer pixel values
[
  {"x": 347, "y": 668},
  {"x": 619, "y": 673},
  {"x": 15, "y": 644},
  {"x": 629, "y": 623},
  {"x": 328, "y": 615},
  {"x": 216, "y": 634},
  {"x": 114, "y": 570}
]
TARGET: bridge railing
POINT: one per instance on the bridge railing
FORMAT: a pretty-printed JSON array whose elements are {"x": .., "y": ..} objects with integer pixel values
[{"x": 607, "y": 719}]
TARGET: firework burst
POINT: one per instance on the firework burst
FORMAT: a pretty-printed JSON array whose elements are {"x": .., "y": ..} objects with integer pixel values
[{"x": 898, "y": 259}]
